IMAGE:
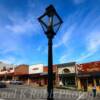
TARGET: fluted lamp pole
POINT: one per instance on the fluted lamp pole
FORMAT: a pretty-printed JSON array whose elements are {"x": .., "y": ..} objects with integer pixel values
[{"x": 50, "y": 22}]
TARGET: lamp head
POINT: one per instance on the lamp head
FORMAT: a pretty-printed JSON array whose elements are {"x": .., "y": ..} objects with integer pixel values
[{"x": 50, "y": 21}]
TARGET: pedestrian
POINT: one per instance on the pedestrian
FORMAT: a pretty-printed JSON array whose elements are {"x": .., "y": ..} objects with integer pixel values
[
  {"x": 94, "y": 90},
  {"x": 60, "y": 83}
]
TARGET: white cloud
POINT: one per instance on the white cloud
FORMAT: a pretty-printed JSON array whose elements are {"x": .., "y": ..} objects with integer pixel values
[
  {"x": 63, "y": 59},
  {"x": 65, "y": 37},
  {"x": 9, "y": 60},
  {"x": 41, "y": 49},
  {"x": 18, "y": 28},
  {"x": 23, "y": 27},
  {"x": 13, "y": 60},
  {"x": 57, "y": 45},
  {"x": 66, "y": 58},
  {"x": 90, "y": 40},
  {"x": 15, "y": 22},
  {"x": 92, "y": 46},
  {"x": 6, "y": 50},
  {"x": 84, "y": 56},
  {"x": 69, "y": 26},
  {"x": 66, "y": 55},
  {"x": 93, "y": 42},
  {"x": 11, "y": 28}
]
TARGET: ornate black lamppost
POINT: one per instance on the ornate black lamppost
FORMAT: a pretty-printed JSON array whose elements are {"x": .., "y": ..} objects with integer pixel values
[{"x": 50, "y": 22}]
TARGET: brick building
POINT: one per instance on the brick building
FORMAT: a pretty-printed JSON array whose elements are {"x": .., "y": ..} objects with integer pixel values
[{"x": 21, "y": 72}]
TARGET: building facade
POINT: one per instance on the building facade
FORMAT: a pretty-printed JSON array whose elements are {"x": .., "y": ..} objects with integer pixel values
[
  {"x": 35, "y": 75},
  {"x": 66, "y": 73},
  {"x": 88, "y": 75},
  {"x": 21, "y": 73},
  {"x": 6, "y": 73},
  {"x": 82, "y": 76}
]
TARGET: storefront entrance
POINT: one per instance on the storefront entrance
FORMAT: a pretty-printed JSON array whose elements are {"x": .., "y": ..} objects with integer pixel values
[
  {"x": 84, "y": 83},
  {"x": 68, "y": 80}
]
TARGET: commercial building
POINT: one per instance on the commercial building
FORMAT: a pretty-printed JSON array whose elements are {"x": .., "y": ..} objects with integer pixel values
[
  {"x": 88, "y": 75},
  {"x": 55, "y": 75},
  {"x": 21, "y": 72},
  {"x": 36, "y": 75},
  {"x": 66, "y": 73},
  {"x": 6, "y": 73},
  {"x": 82, "y": 76}
]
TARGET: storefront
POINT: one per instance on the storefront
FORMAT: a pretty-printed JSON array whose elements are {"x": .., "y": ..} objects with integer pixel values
[
  {"x": 55, "y": 75},
  {"x": 6, "y": 74},
  {"x": 21, "y": 73},
  {"x": 35, "y": 75},
  {"x": 66, "y": 74},
  {"x": 38, "y": 75},
  {"x": 88, "y": 75}
]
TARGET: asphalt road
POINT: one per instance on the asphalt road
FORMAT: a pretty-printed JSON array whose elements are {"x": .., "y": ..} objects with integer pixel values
[{"x": 21, "y": 92}]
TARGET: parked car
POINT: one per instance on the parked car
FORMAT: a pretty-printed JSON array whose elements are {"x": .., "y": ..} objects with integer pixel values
[
  {"x": 16, "y": 82},
  {"x": 5, "y": 81},
  {"x": 2, "y": 85}
]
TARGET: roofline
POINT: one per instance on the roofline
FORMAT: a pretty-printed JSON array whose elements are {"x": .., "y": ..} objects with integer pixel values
[
  {"x": 89, "y": 62},
  {"x": 66, "y": 64}
]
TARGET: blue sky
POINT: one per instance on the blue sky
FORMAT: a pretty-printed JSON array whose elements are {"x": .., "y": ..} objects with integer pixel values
[{"x": 22, "y": 39}]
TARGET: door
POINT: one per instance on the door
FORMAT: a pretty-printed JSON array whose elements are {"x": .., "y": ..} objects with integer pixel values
[{"x": 84, "y": 84}]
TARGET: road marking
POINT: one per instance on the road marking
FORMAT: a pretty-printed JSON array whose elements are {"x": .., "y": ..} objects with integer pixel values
[{"x": 80, "y": 96}]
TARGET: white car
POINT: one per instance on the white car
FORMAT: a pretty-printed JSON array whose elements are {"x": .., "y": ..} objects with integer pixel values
[{"x": 16, "y": 82}]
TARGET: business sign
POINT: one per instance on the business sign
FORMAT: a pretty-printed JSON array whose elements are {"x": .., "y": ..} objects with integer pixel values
[
  {"x": 36, "y": 69},
  {"x": 88, "y": 67}
]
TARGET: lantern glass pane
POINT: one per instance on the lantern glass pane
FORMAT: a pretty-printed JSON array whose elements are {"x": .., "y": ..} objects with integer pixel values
[
  {"x": 55, "y": 20},
  {"x": 56, "y": 27},
  {"x": 44, "y": 27},
  {"x": 50, "y": 23},
  {"x": 45, "y": 19}
]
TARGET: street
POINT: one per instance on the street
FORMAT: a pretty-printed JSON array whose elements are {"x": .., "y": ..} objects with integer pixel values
[{"x": 22, "y": 92}]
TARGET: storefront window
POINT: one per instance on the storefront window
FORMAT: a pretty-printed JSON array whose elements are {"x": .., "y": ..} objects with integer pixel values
[
  {"x": 68, "y": 81},
  {"x": 90, "y": 80},
  {"x": 98, "y": 82}
]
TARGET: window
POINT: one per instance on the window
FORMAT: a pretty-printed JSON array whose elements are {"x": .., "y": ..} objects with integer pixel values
[
  {"x": 98, "y": 82},
  {"x": 90, "y": 80},
  {"x": 66, "y": 71}
]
